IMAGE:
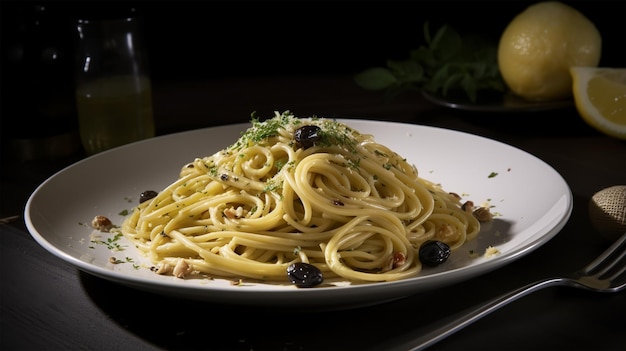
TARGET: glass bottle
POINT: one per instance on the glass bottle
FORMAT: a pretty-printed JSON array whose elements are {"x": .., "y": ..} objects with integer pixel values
[{"x": 113, "y": 87}]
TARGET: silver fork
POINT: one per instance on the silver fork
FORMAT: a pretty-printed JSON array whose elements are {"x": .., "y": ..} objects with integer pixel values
[{"x": 607, "y": 273}]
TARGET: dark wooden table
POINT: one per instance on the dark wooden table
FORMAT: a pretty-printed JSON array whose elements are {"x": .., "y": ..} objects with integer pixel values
[{"x": 47, "y": 304}]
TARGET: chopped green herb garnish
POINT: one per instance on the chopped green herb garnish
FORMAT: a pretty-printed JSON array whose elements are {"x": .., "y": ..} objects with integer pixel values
[
  {"x": 111, "y": 243},
  {"x": 272, "y": 186},
  {"x": 354, "y": 163}
]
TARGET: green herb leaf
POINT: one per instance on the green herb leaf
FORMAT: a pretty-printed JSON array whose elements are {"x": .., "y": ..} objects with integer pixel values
[
  {"x": 376, "y": 78},
  {"x": 406, "y": 71}
]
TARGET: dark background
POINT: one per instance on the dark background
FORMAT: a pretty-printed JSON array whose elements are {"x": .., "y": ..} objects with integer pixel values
[
  {"x": 205, "y": 39},
  {"x": 195, "y": 41}
]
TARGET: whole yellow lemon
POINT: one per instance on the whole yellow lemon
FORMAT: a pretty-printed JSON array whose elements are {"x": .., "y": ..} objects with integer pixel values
[{"x": 540, "y": 44}]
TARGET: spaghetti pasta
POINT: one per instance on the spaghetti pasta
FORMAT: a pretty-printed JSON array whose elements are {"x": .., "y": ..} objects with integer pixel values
[{"x": 292, "y": 189}]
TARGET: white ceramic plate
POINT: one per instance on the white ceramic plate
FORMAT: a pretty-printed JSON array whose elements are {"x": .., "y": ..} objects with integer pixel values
[{"x": 531, "y": 200}]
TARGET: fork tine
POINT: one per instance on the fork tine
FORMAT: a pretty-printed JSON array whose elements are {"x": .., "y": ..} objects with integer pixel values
[
  {"x": 607, "y": 260},
  {"x": 614, "y": 267},
  {"x": 619, "y": 274}
]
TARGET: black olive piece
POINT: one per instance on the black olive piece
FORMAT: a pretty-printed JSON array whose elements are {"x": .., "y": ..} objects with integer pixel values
[
  {"x": 147, "y": 195},
  {"x": 307, "y": 136},
  {"x": 304, "y": 275},
  {"x": 434, "y": 252}
]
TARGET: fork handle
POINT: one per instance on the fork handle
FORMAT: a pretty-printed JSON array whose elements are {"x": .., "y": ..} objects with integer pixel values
[{"x": 462, "y": 320}]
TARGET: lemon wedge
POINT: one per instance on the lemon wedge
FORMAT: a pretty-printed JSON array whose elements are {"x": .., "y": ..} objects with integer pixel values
[{"x": 600, "y": 97}]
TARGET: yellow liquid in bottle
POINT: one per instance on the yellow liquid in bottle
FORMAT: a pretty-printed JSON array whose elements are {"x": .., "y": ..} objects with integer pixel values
[{"x": 114, "y": 111}]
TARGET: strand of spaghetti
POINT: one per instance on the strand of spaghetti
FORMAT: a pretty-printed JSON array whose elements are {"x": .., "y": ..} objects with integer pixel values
[
  {"x": 453, "y": 232},
  {"x": 255, "y": 163},
  {"x": 334, "y": 257},
  {"x": 316, "y": 200},
  {"x": 232, "y": 264},
  {"x": 217, "y": 204}
]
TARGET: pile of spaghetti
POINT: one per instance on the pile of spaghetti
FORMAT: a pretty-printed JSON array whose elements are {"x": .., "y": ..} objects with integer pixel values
[{"x": 290, "y": 190}]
